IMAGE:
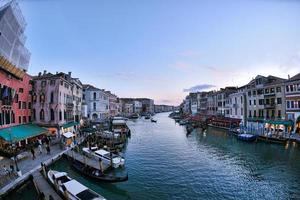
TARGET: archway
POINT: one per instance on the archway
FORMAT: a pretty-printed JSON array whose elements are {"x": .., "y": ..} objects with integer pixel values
[{"x": 95, "y": 116}]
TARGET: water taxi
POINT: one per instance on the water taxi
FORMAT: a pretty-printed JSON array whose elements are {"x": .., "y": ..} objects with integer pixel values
[{"x": 70, "y": 188}]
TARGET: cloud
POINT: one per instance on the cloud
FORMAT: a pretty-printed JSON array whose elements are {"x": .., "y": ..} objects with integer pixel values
[{"x": 198, "y": 88}]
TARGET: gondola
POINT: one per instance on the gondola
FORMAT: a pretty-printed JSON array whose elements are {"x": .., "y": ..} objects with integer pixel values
[
  {"x": 153, "y": 120},
  {"x": 97, "y": 174}
]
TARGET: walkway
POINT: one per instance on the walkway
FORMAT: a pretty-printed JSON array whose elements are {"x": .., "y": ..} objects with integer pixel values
[{"x": 44, "y": 186}]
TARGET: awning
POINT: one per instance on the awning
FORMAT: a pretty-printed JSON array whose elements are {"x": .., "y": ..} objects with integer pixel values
[
  {"x": 69, "y": 124},
  {"x": 21, "y": 132},
  {"x": 280, "y": 122},
  {"x": 90, "y": 130},
  {"x": 68, "y": 135}
]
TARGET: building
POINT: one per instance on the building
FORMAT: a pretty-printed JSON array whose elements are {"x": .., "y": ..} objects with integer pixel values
[
  {"x": 237, "y": 105},
  {"x": 292, "y": 101},
  {"x": 222, "y": 99},
  {"x": 96, "y": 102},
  {"x": 193, "y": 103},
  {"x": 57, "y": 101},
  {"x": 265, "y": 100},
  {"x": 12, "y": 40},
  {"x": 137, "y": 107},
  {"x": 113, "y": 104},
  {"x": 163, "y": 108},
  {"x": 212, "y": 104},
  {"x": 146, "y": 103},
  {"x": 203, "y": 102}
]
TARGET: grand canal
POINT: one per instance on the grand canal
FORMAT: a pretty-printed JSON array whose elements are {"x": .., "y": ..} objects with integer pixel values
[{"x": 164, "y": 163}]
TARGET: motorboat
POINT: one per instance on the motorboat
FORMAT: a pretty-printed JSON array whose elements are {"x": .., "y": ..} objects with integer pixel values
[
  {"x": 97, "y": 174},
  {"x": 106, "y": 156},
  {"x": 70, "y": 188},
  {"x": 247, "y": 137},
  {"x": 153, "y": 120}
]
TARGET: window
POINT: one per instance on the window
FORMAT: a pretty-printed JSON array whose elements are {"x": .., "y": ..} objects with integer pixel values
[
  {"x": 42, "y": 98},
  {"x": 287, "y": 88},
  {"x": 279, "y": 114},
  {"x": 298, "y": 104},
  {"x": 261, "y": 101},
  {"x": 29, "y": 119},
  {"x": 250, "y": 113},
  {"x": 83, "y": 96},
  {"x": 278, "y": 89},
  {"x": 24, "y": 105},
  {"x": 52, "y": 97},
  {"x": 21, "y": 90},
  {"x": 42, "y": 115},
  {"x": 249, "y": 93},
  {"x": 12, "y": 117},
  {"x": 52, "y": 115},
  {"x": 267, "y": 91},
  {"x": 291, "y": 88},
  {"x": 288, "y": 104},
  {"x": 52, "y": 82},
  {"x": 260, "y": 92},
  {"x": 254, "y": 114},
  {"x": 94, "y": 105},
  {"x": 29, "y": 105},
  {"x": 60, "y": 115},
  {"x": 267, "y": 101},
  {"x": 24, "y": 119},
  {"x": 65, "y": 115},
  {"x": 61, "y": 83},
  {"x": 20, "y": 105},
  {"x": 20, "y": 120},
  {"x": 254, "y": 102},
  {"x": 95, "y": 95},
  {"x": 33, "y": 114},
  {"x": 272, "y": 90},
  {"x": 272, "y": 101},
  {"x": 43, "y": 83},
  {"x": 273, "y": 113},
  {"x": 292, "y": 104},
  {"x": 254, "y": 93},
  {"x": 250, "y": 102},
  {"x": 279, "y": 101}
]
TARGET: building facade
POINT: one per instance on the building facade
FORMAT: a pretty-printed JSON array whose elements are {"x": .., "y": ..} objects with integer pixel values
[
  {"x": 56, "y": 101},
  {"x": 97, "y": 103},
  {"x": 237, "y": 105},
  {"x": 12, "y": 40},
  {"x": 292, "y": 101},
  {"x": 113, "y": 104}
]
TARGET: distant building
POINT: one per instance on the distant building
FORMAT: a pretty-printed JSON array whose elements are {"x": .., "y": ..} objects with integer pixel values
[
  {"x": 145, "y": 105},
  {"x": 292, "y": 101},
  {"x": 193, "y": 103},
  {"x": 113, "y": 104},
  {"x": 12, "y": 38},
  {"x": 163, "y": 108},
  {"x": 238, "y": 105},
  {"x": 223, "y": 99},
  {"x": 96, "y": 102},
  {"x": 57, "y": 101},
  {"x": 137, "y": 107},
  {"x": 212, "y": 104}
]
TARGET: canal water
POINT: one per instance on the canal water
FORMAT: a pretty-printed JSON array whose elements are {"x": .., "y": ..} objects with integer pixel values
[{"x": 164, "y": 163}]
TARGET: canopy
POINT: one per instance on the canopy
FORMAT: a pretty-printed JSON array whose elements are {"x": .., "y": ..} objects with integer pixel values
[
  {"x": 280, "y": 122},
  {"x": 69, "y": 124},
  {"x": 21, "y": 132},
  {"x": 68, "y": 135}
]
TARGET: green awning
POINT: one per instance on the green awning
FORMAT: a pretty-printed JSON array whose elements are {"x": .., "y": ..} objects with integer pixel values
[
  {"x": 70, "y": 124},
  {"x": 280, "y": 122},
  {"x": 21, "y": 132},
  {"x": 89, "y": 130}
]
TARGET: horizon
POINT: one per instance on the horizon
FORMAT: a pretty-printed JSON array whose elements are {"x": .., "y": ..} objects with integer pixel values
[{"x": 147, "y": 50}]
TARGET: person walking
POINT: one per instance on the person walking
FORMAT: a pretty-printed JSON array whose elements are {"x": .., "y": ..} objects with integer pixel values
[
  {"x": 33, "y": 153},
  {"x": 40, "y": 149},
  {"x": 48, "y": 149}
]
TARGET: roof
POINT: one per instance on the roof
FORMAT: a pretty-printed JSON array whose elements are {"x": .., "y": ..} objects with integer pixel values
[
  {"x": 21, "y": 132},
  {"x": 119, "y": 122},
  {"x": 295, "y": 78},
  {"x": 101, "y": 152},
  {"x": 74, "y": 187},
  {"x": 68, "y": 135}
]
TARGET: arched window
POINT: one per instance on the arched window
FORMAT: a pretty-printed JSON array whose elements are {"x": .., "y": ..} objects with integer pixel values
[
  {"x": 95, "y": 95},
  {"x": 60, "y": 115},
  {"x": 94, "y": 105},
  {"x": 52, "y": 115},
  {"x": 33, "y": 114},
  {"x": 52, "y": 97},
  {"x": 42, "y": 98},
  {"x": 42, "y": 115},
  {"x": 65, "y": 115}
]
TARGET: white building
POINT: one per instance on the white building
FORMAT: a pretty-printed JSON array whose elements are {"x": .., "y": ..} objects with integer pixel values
[
  {"x": 137, "y": 107},
  {"x": 96, "y": 103},
  {"x": 237, "y": 105},
  {"x": 12, "y": 38}
]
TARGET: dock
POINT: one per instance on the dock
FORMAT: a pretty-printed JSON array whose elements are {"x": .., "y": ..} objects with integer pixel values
[
  {"x": 86, "y": 160},
  {"x": 44, "y": 187}
]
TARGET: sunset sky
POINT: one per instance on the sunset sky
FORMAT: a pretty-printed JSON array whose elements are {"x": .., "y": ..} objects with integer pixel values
[{"x": 163, "y": 49}]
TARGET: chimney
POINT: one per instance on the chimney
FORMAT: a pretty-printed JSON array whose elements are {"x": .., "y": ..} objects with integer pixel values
[
  {"x": 45, "y": 72},
  {"x": 70, "y": 73},
  {"x": 289, "y": 77},
  {"x": 40, "y": 73}
]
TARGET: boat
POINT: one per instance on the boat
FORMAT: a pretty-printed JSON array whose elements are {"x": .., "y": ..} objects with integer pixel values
[
  {"x": 106, "y": 156},
  {"x": 134, "y": 116},
  {"x": 247, "y": 137},
  {"x": 154, "y": 121},
  {"x": 70, "y": 188},
  {"x": 270, "y": 139},
  {"x": 119, "y": 126},
  {"x": 183, "y": 122},
  {"x": 147, "y": 117},
  {"x": 96, "y": 174}
]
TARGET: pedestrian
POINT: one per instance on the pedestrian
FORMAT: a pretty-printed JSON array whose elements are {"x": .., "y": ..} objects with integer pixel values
[
  {"x": 48, "y": 149},
  {"x": 40, "y": 149},
  {"x": 33, "y": 153}
]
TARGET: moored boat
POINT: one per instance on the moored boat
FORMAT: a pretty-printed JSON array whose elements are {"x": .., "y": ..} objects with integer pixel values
[
  {"x": 276, "y": 140},
  {"x": 247, "y": 137},
  {"x": 153, "y": 120},
  {"x": 70, "y": 188},
  {"x": 96, "y": 174}
]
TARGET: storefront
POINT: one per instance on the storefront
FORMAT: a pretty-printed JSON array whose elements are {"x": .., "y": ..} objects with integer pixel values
[
  {"x": 278, "y": 127},
  {"x": 69, "y": 127}
]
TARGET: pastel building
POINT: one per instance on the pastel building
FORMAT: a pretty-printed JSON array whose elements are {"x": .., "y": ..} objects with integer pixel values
[
  {"x": 96, "y": 103},
  {"x": 56, "y": 102}
]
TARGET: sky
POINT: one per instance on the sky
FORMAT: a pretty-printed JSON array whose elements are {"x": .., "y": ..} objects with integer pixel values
[{"x": 163, "y": 49}]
